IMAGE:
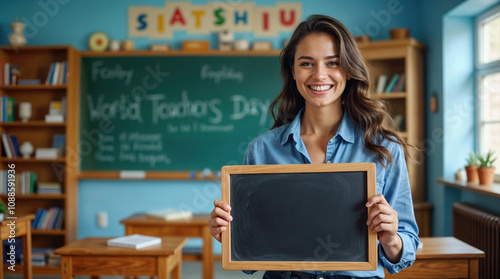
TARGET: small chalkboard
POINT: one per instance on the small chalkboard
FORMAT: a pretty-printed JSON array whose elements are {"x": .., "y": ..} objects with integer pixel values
[{"x": 299, "y": 217}]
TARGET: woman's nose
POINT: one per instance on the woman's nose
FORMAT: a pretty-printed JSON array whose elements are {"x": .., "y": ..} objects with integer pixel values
[{"x": 319, "y": 73}]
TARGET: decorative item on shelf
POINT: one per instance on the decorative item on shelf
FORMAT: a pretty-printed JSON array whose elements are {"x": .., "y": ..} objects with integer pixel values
[
  {"x": 17, "y": 38},
  {"x": 98, "y": 41},
  {"x": 26, "y": 149},
  {"x": 399, "y": 33},
  {"x": 114, "y": 45},
  {"x": 226, "y": 39},
  {"x": 262, "y": 46},
  {"x": 486, "y": 170},
  {"x": 46, "y": 153},
  {"x": 461, "y": 175},
  {"x": 471, "y": 168},
  {"x": 363, "y": 39},
  {"x": 241, "y": 44},
  {"x": 3, "y": 210},
  {"x": 159, "y": 47},
  {"x": 25, "y": 111},
  {"x": 196, "y": 45},
  {"x": 56, "y": 112},
  {"x": 128, "y": 45}
]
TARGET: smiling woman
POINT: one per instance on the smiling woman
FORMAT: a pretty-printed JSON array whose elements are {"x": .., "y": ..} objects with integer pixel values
[{"x": 324, "y": 114}]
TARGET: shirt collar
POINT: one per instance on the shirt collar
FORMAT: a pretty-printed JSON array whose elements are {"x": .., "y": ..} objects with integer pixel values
[{"x": 346, "y": 130}]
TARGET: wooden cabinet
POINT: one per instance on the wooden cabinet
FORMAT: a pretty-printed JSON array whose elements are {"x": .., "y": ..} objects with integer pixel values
[
  {"x": 34, "y": 63},
  {"x": 396, "y": 57},
  {"x": 406, "y": 56}
]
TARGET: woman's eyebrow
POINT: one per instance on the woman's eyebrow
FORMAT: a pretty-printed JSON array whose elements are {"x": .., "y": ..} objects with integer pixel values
[{"x": 310, "y": 58}]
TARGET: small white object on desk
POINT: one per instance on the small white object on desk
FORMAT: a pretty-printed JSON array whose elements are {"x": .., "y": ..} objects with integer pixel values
[
  {"x": 135, "y": 241},
  {"x": 171, "y": 214}
]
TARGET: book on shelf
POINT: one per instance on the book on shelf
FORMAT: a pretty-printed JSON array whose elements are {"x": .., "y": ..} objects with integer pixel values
[
  {"x": 7, "y": 106},
  {"x": 135, "y": 241},
  {"x": 171, "y": 214},
  {"x": 7, "y": 146},
  {"x": 46, "y": 153},
  {"x": 29, "y": 82},
  {"x": 400, "y": 84},
  {"x": 57, "y": 73},
  {"x": 382, "y": 81},
  {"x": 48, "y": 219},
  {"x": 59, "y": 142},
  {"x": 10, "y": 73},
  {"x": 49, "y": 188},
  {"x": 391, "y": 83}
]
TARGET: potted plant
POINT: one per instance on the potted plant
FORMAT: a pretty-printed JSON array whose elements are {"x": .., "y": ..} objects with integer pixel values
[
  {"x": 471, "y": 168},
  {"x": 486, "y": 171},
  {"x": 3, "y": 210}
]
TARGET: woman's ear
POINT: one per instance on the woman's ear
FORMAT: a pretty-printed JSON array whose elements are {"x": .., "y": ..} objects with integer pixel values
[{"x": 348, "y": 78}]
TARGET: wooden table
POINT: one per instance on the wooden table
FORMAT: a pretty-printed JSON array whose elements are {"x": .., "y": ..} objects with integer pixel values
[
  {"x": 194, "y": 227},
  {"x": 443, "y": 257},
  {"x": 92, "y": 256},
  {"x": 22, "y": 229}
]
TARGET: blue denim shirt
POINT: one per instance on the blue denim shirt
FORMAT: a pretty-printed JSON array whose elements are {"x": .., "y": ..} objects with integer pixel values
[{"x": 283, "y": 145}]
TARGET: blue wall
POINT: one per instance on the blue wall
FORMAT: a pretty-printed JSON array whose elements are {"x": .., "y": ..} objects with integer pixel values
[{"x": 72, "y": 22}]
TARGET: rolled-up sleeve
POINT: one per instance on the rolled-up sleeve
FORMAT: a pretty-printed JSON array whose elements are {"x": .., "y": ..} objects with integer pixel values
[{"x": 397, "y": 192}]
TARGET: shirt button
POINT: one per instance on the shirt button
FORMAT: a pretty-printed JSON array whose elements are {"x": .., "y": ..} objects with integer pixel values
[
  {"x": 331, "y": 141},
  {"x": 328, "y": 162},
  {"x": 321, "y": 278}
]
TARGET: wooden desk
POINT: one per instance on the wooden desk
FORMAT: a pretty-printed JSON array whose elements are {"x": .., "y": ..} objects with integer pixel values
[
  {"x": 92, "y": 256},
  {"x": 194, "y": 227},
  {"x": 443, "y": 257},
  {"x": 23, "y": 230}
]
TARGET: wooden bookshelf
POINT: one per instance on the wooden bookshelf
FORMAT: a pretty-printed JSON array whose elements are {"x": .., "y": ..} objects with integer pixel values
[
  {"x": 406, "y": 56},
  {"x": 34, "y": 63},
  {"x": 391, "y": 57}
]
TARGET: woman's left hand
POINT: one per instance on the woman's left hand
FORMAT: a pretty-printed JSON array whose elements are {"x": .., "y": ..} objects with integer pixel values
[{"x": 383, "y": 220}]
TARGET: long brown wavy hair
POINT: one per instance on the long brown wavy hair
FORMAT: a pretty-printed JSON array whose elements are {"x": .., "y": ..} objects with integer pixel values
[{"x": 368, "y": 114}]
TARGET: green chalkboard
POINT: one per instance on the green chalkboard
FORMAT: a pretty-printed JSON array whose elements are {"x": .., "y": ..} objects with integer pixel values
[{"x": 173, "y": 113}]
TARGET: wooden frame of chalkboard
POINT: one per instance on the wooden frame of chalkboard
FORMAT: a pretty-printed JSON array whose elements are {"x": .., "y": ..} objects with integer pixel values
[{"x": 286, "y": 217}]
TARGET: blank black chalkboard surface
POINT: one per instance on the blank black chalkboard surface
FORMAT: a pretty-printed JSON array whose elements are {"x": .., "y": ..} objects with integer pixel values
[
  {"x": 299, "y": 217},
  {"x": 174, "y": 111}
]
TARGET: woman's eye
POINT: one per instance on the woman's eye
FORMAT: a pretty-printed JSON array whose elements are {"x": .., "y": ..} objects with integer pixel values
[
  {"x": 332, "y": 63},
  {"x": 306, "y": 64}
]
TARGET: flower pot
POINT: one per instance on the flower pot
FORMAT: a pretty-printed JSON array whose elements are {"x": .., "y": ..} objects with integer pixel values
[
  {"x": 486, "y": 175},
  {"x": 471, "y": 174}
]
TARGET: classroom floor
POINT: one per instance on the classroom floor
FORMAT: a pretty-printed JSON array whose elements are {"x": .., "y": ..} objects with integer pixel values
[{"x": 190, "y": 270}]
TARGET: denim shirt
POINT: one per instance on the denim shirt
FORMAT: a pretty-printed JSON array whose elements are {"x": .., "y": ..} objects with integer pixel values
[{"x": 283, "y": 145}]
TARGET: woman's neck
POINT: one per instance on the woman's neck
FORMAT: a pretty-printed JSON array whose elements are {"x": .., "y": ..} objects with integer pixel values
[{"x": 321, "y": 121}]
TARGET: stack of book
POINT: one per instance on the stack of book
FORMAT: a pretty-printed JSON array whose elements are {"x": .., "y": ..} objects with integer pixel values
[
  {"x": 48, "y": 219},
  {"x": 9, "y": 73},
  {"x": 7, "y": 105},
  {"x": 38, "y": 256},
  {"x": 53, "y": 259},
  {"x": 57, "y": 73},
  {"x": 49, "y": 188},
  {"x": 26, "y": 182},
  {"x": 10, "y": 146}
]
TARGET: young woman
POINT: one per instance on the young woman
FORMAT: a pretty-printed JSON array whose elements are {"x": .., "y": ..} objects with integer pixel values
[{"x": 324, "y": 114}]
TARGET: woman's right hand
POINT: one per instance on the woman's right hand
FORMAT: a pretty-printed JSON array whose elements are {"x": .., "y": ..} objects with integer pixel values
[{"x": 219, "y": 219}]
